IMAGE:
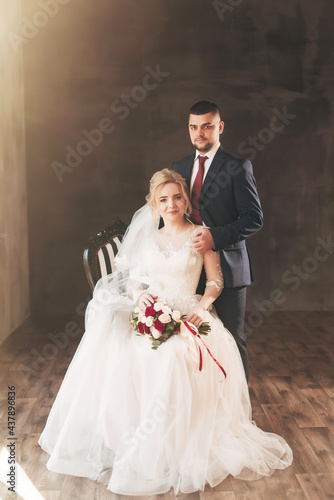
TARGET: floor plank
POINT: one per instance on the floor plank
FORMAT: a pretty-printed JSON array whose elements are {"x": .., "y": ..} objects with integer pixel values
[
  {"x": 316, "y": 486},
  {"x": 291, "y": 389}
]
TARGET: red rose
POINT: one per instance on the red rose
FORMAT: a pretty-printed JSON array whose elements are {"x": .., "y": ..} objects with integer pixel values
[
  {"x": 159, "y": 326},
  {"x": 158, "y": 313},
  {"x": 140, "y": 327},
  {"x": 147, "y": 330},
  {"x": 149, "y": 311}
]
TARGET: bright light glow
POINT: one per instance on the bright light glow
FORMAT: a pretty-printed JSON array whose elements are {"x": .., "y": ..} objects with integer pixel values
[{"x": 24, "y": 486}]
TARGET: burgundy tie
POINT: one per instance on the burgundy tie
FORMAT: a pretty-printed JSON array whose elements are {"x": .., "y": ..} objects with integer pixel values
[{"x": 196, "y": 191}]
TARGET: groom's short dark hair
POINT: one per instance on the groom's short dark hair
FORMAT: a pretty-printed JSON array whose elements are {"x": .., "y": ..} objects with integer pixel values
[{"x": 203, "y": 107}]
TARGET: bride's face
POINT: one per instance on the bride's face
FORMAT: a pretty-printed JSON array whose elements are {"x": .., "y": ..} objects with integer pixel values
[{"x": 171, "y": 203}]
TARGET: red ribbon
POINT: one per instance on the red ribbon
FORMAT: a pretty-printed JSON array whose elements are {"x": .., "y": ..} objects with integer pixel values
[{"x": 197, "y": 335}]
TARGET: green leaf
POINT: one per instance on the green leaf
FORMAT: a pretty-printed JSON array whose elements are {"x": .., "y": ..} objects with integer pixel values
[{"x": 205, "y": 328}]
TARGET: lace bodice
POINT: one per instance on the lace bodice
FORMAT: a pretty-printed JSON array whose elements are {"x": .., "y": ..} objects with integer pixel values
[
  {"x": 173, "y": 266},
  {"x": 168, "y": 268}
]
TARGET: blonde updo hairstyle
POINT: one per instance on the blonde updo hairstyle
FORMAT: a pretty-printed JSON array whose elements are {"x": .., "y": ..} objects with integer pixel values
[{"x": 161, "y": 178}]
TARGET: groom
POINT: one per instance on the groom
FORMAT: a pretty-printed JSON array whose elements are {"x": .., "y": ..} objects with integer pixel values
[{"x": 227, "y": 206}]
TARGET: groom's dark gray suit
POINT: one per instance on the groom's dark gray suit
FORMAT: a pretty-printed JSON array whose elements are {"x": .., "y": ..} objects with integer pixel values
[{"x": 230, "y": 206}]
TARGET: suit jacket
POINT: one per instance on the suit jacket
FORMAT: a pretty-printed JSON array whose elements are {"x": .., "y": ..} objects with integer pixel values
[{"x": 230, "y": 206}]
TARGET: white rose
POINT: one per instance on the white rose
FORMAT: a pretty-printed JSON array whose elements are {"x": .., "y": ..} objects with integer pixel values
[
  {"x": 155, "y": 333},
  {"x": 176, "y": 315},
  {"x": 166, "y": 310},
  {"x": 164, "y": 318},
  {"x": 142, "y": 319},
  {"x": 137, "y": 310},
  {"x": 158, "y": 306},
  {"x": 149, "y": 321}
]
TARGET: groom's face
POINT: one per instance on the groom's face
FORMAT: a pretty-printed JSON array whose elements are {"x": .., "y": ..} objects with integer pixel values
[{"x": 205, "y": 130}]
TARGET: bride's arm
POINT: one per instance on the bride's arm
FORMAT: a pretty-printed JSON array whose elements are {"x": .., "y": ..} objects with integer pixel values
[
  {"x": 137, "y": 292},
  {"x": 214, "y": 287}
]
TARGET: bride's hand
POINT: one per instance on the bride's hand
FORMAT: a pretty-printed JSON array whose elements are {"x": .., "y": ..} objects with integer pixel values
[
  {"x": 145, "y": 300},
  {"x": 196, "y": 316}
]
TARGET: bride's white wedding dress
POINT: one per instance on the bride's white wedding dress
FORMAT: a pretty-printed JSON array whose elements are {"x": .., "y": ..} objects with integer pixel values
[{"x": 143, "y": 421}]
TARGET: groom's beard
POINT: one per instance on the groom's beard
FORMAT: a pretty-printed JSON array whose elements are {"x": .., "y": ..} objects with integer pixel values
[{"x": 203, "y": 147}]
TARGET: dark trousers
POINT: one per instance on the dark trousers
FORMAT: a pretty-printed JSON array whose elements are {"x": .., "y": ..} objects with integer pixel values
[{"x": 231, "y": 307}]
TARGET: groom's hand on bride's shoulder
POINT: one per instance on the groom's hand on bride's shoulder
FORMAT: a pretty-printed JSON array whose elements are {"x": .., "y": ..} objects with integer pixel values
[{"x": 202, "y": 239}]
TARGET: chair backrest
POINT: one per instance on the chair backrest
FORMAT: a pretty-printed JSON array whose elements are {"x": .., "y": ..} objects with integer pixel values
[{"x": 99, "y": 256}]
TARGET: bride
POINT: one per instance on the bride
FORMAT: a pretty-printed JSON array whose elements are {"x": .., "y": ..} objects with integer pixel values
[{"x": 144, "y": 421}]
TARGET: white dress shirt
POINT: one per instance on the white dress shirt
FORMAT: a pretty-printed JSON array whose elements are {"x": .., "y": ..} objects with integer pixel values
[{"x": 210, "y": 154}]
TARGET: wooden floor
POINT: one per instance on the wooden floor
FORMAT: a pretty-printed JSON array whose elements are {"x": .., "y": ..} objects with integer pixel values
[{"x": 292, "y": 393}]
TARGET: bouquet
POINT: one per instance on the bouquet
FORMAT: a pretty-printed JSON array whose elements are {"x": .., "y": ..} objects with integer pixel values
[{"x": 159, "y": 322}]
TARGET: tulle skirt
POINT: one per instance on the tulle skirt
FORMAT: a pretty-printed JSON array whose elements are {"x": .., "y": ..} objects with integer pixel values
[{"x": 143, "y": 421}]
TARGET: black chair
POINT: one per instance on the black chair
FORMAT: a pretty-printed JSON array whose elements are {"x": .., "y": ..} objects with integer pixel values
[{"x": 99, "y": 256}]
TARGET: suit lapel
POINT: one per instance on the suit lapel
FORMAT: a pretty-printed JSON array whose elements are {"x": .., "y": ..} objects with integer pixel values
[
  {"x": 215, "y": 166},
  {"x": 188, "y": 166}
]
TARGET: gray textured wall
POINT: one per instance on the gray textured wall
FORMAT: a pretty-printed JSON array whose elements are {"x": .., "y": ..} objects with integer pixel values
[
  {"x": 14, "y": 265},
  {"x": 258, "y": 60}
]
